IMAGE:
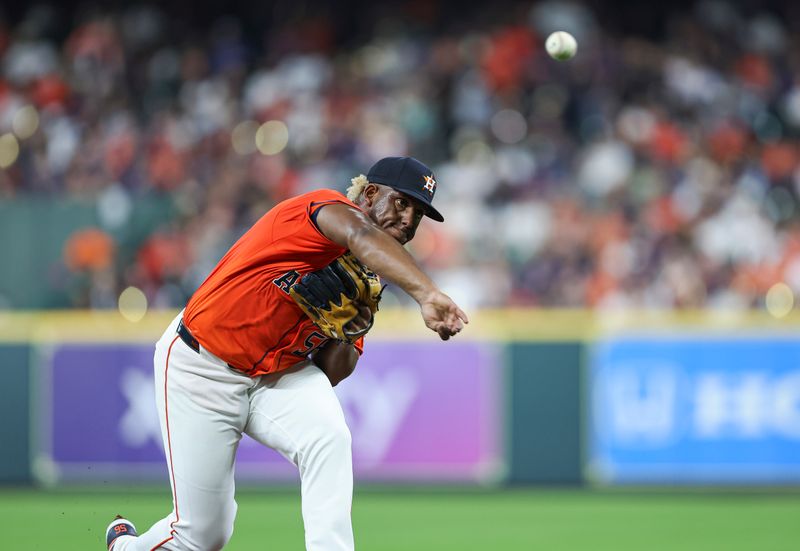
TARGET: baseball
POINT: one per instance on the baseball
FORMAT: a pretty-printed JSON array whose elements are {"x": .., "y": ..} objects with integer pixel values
[{"x": 561, "y": 45}]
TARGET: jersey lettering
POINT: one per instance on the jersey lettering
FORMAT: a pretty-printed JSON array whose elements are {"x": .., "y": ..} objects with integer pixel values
[
  {"x": 285, "y": 282},
  {"x": 313, "y": 342}
]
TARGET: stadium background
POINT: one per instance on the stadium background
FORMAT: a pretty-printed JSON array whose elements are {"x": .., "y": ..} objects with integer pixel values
[{"x": 622, "y": 228}]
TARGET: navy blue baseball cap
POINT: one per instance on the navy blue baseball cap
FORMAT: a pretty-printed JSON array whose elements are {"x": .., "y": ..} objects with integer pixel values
[{"x": 409, "y": 176}]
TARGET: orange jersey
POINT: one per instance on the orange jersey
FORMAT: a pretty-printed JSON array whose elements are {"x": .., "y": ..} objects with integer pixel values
[{"x": 242, "y": 313}]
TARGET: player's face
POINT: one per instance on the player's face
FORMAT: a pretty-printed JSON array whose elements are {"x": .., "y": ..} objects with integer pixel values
[{"x": 397, "y": 213}]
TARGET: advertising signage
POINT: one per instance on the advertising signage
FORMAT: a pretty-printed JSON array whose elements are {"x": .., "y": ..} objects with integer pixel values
[
  {"x": 689, "y": 409},
  {"x": 416, "y": 411}
]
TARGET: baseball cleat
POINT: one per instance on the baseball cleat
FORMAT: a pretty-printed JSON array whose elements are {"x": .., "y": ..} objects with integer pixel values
[{"x": 119, "y": 527}]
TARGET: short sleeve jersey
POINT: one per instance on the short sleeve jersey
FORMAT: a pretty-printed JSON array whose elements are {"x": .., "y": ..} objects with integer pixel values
[{"x": 242, "y": 313}]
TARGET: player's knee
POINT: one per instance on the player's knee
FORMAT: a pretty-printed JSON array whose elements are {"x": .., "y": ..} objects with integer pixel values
[
  {"x": 224, "y": 526},
  {"x": 220, "y": 536},
  {"x": 214, "y": 532},
  {"x": 216, "y": 536}
]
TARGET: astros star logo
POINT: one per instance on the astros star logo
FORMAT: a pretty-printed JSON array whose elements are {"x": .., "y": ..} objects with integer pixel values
[{"x": 430, "y": 184}]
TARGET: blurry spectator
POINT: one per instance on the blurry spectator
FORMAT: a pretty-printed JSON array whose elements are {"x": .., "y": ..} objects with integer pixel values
[
  {"x": 89, "y": 250},
  {"x": 89, "y": 254},
  {"x": 646, "y": 172}
]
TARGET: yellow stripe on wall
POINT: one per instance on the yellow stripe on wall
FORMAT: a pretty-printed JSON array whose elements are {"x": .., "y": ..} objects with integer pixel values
[{"x": 495, "y": 325}]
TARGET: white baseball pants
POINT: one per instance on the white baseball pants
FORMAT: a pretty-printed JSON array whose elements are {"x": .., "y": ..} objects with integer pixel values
[{"x": 205, "y": 407}]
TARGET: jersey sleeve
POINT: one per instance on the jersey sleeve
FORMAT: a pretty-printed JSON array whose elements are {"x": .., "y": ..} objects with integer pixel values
[{"x": 325, "y": 198}]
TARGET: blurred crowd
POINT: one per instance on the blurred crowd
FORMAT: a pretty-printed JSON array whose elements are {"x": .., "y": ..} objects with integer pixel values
[{"x": 657, "y": 172}]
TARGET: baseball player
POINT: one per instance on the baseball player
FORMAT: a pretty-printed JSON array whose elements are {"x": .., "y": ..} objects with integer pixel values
[{"x": 260, "y": 344}]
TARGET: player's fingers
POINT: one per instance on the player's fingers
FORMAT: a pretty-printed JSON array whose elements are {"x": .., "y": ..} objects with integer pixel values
[
  {"x": 456, "y": 313},
  {"x": 455, "y": 327},
  {"x": 440, "y": 328},
  {"x": 455, "y": 319},
  {"x": 356, "y": 325}
]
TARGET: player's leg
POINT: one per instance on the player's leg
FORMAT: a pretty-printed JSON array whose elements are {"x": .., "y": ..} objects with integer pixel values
[
  {"x": 203, "y": 408},
  {"x": 299, "y": 415}
]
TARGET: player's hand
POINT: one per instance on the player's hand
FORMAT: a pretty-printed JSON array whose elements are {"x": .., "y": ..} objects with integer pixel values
[
  {"x": 337, "y": 360},
  {"x": 361, "y": 321},
  {"x": 442, "y": 315}
]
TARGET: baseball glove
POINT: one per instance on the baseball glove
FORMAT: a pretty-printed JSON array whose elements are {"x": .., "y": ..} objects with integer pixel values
[{"x": 332, "y": 295}]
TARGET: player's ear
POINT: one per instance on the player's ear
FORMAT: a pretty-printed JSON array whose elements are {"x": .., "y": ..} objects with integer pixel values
[{"x": 371, "y": 193}]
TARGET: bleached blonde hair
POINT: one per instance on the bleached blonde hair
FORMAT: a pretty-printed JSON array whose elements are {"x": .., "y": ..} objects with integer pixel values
[{"x": 357, "y": 185}]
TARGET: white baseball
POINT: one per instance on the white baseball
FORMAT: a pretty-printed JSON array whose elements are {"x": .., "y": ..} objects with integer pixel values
[{"x": 561, "y": 45}]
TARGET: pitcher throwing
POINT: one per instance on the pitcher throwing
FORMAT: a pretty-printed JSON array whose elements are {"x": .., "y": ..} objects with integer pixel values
[{"x": 260, "y": 345}]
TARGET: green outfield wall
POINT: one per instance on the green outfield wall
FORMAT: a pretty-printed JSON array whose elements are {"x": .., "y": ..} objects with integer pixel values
[
  {"x": 544, "y": 423},
  {"x": 42, "y": 280},
  {"x": 15, "y": 412}
]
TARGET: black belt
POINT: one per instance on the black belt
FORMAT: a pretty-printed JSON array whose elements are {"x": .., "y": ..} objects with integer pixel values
[
  {"x": 193, "y": 343},
  {"x": 187, "y": 337}
]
